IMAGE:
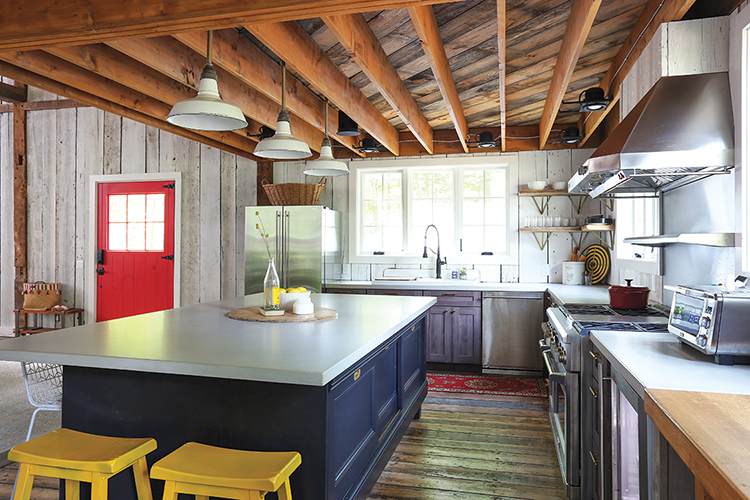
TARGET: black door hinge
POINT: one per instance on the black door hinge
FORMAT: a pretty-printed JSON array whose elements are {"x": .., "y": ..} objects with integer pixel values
[
  {"x": 168, "y": 257},
  {"x": 169, "y": 186}
]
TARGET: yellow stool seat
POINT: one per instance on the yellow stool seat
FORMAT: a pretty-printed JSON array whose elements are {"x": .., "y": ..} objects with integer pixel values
[
  {"x": 76, "y": 456},
  {"x": 204, "y": 470}
]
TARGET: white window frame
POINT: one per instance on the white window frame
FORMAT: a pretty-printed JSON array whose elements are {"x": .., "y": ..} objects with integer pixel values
[
  {"x": 509, "y": 161},
  {"x": 634, "y": 264},
  {"x": 742, "y": 132}
]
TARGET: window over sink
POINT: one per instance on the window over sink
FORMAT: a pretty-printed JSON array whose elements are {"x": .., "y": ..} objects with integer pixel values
[{"x": 471, "y": 200}]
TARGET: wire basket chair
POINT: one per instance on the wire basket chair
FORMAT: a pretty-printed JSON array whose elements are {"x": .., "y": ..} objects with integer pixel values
[{"x": 43, "y": 388}]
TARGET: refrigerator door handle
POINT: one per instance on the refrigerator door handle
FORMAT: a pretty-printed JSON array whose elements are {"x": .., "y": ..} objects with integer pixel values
[
  {"x": 277, "y": 244},
  {"x": 287, "y": 248}
]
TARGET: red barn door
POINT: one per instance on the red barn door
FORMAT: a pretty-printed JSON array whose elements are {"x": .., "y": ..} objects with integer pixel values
[{"x": 135, "y": 242}]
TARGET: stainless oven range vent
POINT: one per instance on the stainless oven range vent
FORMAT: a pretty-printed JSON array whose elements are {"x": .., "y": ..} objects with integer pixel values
[{"x": 681, "y": 131}]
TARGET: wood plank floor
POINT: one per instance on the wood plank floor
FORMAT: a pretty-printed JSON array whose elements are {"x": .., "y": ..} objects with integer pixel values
[{"x": 465, "y": 446}]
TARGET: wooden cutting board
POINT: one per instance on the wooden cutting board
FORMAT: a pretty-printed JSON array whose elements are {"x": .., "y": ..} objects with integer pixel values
[{"x": 253, "y": 314}]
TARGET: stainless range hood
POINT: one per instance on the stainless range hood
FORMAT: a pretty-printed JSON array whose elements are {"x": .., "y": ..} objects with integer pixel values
[{"x": 681, "y": 131}]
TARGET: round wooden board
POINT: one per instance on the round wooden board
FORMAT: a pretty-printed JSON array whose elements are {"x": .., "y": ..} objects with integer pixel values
[{"x": 253, "y": 314}]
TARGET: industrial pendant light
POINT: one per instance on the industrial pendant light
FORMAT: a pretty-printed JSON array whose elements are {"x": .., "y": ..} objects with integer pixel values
[
  {"x": 326, "y": 164},
  {"x": 282, "y": 146},
  {"x": 207, "y": 111}
]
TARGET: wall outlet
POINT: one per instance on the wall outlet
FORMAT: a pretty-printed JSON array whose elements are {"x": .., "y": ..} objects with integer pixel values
[{"x": 545, "y": 269}]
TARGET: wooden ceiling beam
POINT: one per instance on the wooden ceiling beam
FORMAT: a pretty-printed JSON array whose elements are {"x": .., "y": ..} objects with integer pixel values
[
  {"x": 212, "y": 139},
  {"x": 138, "y": 74},
  {"x": 362, "y": 45},
  {"x": 237, "y": 55},
  {"x": 501, "y": 27},
  {"x": 292, "y": 44},
  {"x": 423, "y": 18},
  {"x": 74, "y": 80},
  {"x": 27, "y": 25},
  {"x": 630, "y": 51},
  {"x": 582, "y": 15},
  {"x": 12, "y": 93}
]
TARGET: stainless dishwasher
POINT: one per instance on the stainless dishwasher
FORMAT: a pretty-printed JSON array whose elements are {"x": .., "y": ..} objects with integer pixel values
[{"x": 511, "y": 329}]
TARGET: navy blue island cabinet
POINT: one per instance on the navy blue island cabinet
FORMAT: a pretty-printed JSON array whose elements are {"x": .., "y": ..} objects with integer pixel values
[{"x": 346, "y": 431}]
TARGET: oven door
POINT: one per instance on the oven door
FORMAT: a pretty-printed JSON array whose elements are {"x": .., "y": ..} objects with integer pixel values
[{"x": 564, "y": 417}]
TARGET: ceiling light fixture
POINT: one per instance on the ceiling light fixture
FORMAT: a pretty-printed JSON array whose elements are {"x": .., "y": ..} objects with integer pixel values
[
  {"x": 264, "y": 133},
  {"x": 347, "y": 126},
  {"x": 282, "y": 146},
  {"x": 571, "y": 135},
  {"x": 482, "y": 140},
  {"x": 368, "y": 145},
  {"x": 326, "y": 164},
  {"x": 593, "y": 99},
  {"x": 207, "y": 111}
]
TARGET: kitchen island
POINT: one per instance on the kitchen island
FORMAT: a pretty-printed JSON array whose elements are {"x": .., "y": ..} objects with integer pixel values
[{"x": 341, "y": 392}]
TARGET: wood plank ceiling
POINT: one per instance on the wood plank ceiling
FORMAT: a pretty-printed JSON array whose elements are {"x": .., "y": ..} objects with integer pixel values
[{"x": 419, "y": 77}]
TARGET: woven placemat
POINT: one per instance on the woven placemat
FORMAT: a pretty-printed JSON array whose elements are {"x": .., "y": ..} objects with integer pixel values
[{"x": 253, "y": 314}]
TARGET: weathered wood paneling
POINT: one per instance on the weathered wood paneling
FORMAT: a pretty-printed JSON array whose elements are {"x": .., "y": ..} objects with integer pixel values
[
  {"x": 66, "y": 147},
  {"x": 7, "y": 254}
]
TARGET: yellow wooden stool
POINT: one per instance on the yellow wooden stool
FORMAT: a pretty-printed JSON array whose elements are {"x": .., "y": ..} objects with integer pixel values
[
  {"x": 76, "y": 456},
  {"x": 202, "y": 470}
]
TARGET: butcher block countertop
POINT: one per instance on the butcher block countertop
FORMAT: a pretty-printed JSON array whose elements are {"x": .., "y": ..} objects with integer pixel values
[{"x": 711, "y": 433}]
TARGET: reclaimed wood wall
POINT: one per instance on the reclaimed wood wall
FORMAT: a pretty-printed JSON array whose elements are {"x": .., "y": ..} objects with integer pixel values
[
  {"x": 65, "y": 147},
  {"x": 534, "y": 264}
]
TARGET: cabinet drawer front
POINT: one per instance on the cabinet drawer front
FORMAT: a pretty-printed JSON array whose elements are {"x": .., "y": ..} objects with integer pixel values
[
  {"x": 411, "y": 293},
  {"x": 455, "y": 298},
  {"x": 349, "y": 291}
]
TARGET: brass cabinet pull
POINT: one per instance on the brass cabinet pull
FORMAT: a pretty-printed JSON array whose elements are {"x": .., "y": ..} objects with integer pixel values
[
  {"x": 595, "y": 355},
  {"x": 594, "y": 458},
  {"x": 452, "y": 294},
  {"x": 455, "y": 311},
  {"x": 357, "y": 374},
  {"x": 593, "y": 392},
  {"x": 413, "y": 327},
  {"x": 392, "y": 293}
]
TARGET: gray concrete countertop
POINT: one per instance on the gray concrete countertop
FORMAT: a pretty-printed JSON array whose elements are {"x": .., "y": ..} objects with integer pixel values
[
  {"x": 660, "y": 361},
  {"x": 564, "y": 293},
  {"x": 200, "y": 340}
]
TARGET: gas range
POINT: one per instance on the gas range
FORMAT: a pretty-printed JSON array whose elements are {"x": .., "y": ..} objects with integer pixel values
[
  {"x": 565, "y": 340},
  {"x": 569, "y": 322}
]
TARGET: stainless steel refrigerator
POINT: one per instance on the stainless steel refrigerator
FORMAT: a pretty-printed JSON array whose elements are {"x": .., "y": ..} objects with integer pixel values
[{"x": 305, "y": 242}]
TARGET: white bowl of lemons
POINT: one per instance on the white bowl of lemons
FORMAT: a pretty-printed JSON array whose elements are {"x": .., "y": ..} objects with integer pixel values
[{"x": 288, "y": 297}]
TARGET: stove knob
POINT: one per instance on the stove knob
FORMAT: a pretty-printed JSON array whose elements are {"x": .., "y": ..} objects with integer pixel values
[
  {"x": 701, "y": 340},
  {"x": 705, "y": 322}
]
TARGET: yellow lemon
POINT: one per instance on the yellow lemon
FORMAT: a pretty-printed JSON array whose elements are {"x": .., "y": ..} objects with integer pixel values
[{"x": 302, "y": 289}]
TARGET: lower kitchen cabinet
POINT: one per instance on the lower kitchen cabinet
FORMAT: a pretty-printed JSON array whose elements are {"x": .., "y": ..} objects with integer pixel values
[{"x": 454, "y": 328}]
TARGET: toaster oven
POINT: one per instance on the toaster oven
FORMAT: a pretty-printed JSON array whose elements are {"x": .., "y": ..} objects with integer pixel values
[{"x": 713, "y": 320}]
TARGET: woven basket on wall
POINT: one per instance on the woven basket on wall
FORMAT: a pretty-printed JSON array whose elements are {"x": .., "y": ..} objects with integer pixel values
[{"x": 292, "y": 193}]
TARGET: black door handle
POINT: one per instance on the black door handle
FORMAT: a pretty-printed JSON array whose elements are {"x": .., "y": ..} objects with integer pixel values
[{"x": 100, "y": 271}]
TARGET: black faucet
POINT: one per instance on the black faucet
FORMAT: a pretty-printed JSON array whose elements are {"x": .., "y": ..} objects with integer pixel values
[{"x": 424, "y": 255}]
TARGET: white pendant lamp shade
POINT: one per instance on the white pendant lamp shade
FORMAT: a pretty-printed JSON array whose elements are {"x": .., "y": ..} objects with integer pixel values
[
  {"x": 282, "y": 146},
  {"x": 326, "y": 164},
  {"x": 207, "y": 111}
]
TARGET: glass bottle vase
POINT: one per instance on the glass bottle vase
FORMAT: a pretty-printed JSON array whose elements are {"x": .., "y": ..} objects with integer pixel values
[{"x": 271, "y": 287}]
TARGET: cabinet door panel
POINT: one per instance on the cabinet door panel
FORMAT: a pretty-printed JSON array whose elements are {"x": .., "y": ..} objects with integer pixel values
[
  {"x": 353, "y": 426},
  {"x": 386, "y": 386},
  {"x": 467, "y": 335},
  {"x": 439, "y": 335},
  {"x": 412, "y": 366}
]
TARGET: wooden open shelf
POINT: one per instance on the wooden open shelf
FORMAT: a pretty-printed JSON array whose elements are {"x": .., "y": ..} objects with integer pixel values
[{"x": 542, "y": 197}]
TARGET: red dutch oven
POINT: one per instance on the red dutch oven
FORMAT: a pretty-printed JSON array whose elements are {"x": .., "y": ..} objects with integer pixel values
[{"x": 628, "y": 297}]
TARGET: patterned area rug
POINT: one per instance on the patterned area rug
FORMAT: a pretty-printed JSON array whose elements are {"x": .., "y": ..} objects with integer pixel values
[{"x": 487, "y": 384}]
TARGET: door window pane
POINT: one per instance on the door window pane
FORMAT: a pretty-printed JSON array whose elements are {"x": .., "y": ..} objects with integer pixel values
[{"x": 136, "y": 222}]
